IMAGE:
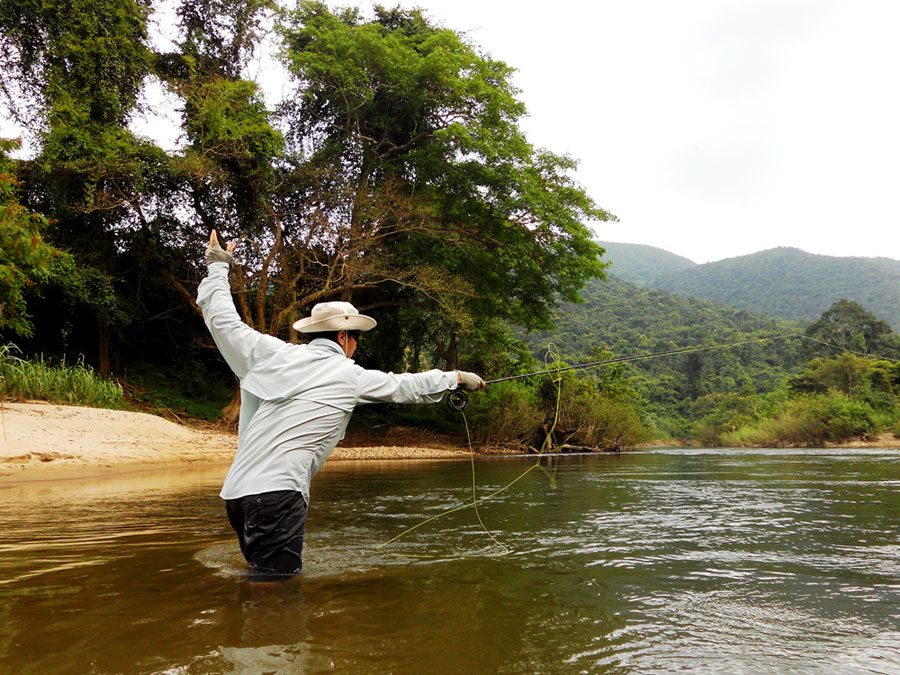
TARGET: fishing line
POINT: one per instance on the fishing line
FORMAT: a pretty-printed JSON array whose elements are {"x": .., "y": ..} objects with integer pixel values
[
  {"x": 473, "y": 503},
  {"x": 552, "y": 350},
  {"x": 458, "y": 401}
]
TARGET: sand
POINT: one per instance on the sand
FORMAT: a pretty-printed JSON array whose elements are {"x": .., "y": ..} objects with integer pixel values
[{"x": 44, "y": 441}]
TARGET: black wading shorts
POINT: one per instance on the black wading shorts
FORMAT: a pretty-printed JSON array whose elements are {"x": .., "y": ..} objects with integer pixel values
[{"x": 270, "y": 529}]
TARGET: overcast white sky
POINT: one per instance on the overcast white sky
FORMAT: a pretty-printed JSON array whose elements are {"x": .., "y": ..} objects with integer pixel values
[
  {"x": 711, "y": 128},
  {"x": 714, "y": 128}
]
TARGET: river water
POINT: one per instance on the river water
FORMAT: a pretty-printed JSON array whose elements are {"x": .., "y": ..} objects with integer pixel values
[{"x": 727, "y": 561}]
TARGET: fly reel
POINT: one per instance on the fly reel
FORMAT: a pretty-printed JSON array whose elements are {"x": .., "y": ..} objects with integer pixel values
[{"x": 457, "y": 400}]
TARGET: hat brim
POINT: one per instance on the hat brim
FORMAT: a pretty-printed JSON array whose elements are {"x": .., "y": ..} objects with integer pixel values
[{"x": 339, "y": 322}]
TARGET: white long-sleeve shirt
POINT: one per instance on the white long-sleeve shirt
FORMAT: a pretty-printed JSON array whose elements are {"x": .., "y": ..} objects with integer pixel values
[{"x": 296, "y": 400}]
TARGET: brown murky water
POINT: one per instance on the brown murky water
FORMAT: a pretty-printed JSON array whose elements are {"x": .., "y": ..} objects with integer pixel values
[{"x": 726, "y": 561}]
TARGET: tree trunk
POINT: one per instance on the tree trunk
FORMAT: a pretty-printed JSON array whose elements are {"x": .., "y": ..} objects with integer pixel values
[
  {"x": 232, "y": 412},
  {"x": 452, "y": 353}
]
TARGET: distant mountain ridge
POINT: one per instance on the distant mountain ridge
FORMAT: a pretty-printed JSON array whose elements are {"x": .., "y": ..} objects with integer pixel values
[
  {"x": 641, "y": 264},
  {"x": 782, "y": 282}
]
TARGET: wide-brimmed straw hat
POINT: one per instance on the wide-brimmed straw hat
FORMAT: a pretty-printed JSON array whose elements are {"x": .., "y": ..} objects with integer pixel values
[{"x": 327, "y": 317}]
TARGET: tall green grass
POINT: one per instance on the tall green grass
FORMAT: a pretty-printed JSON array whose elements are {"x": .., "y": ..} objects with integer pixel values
[{"x": 68, "y": 384}]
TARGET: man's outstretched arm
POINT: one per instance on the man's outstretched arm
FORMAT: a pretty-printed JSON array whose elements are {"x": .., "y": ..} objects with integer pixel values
[
  {"x": 240, "y": 345},
  {"x": 428, "y": 387}
]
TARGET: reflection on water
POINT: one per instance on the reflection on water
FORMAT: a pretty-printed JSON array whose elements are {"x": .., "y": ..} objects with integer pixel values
[{"x": 734, "y": 561}]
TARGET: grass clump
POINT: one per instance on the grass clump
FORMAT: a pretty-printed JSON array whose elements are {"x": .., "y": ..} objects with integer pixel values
[{"x": 69, "y": 384}]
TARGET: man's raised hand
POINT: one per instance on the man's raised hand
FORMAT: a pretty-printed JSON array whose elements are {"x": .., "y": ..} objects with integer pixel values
[{"x": 215, "y": 252}]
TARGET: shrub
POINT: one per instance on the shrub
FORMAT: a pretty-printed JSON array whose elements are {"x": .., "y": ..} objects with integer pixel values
[
  {"x": 507, "y": 413},
  {"x": 521, "y": 412},
  {"x": 812, "y": 420},
  {"x": 589, "y": 417},
  {"x": 724, "y": 414}
]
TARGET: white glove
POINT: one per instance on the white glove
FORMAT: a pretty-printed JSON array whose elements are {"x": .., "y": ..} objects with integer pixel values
[
  {"x": 215, "y": 253},
  {"x": 469, "y": 381}
]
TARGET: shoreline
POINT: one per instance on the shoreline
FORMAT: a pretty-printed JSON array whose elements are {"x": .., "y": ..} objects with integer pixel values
[
  {"x": 46, "y": 442},
  {"x": 42, "y": 442}
]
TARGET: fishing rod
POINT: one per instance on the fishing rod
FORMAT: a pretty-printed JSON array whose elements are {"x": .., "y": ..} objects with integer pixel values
[{"x": 458, "y": 400}]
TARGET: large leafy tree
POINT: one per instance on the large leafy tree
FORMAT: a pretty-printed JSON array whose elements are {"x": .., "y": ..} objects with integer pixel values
[
  {"x": 74, "y": 71},
  {"x": 24, "y": 257},
  {"x": 418, "y": 189}
]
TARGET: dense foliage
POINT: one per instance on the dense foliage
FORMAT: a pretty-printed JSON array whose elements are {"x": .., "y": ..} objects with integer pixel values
[
  {"x": 785, "y": 391},
  {"x": 24, "y": 257},
  {"x": 791, "y": 284},
  {"x": 393, "y": 173},
  {"x": 849, "y": 326},
  {"x": 830, "y": 400},
  {"x": 621, "y": 319}
]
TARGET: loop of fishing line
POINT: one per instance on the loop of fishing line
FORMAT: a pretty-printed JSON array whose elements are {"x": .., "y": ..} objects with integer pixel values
[
  {"x": 556, "y": 378},
  {"x": 458, "y": 401}
]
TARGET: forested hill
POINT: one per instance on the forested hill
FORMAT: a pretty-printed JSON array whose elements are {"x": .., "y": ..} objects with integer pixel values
[
  {"x": 643, "y": 264},
  {"x": 782, "y": 282},
  {"x": 620, "y": 318}
]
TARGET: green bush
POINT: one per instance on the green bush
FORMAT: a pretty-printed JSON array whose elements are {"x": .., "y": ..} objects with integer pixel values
[
  {"x": 812, "y": 420},
  {"x": 507, "y": 413},
  {"x": 67, "y": 384},
  {"x": 723, "y": 414},
  {"x": 842, "y": 418},
  {"x": 590, "y": 417},
  {"x": 520, "y": 412},
  {"x": 610, "y": 424}
]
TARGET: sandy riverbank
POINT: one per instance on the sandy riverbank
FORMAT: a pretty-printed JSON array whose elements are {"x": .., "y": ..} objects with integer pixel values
[{"x": 43, "y": 441}]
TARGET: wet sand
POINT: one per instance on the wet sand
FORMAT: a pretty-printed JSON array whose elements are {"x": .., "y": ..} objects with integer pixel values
[{"x": 44, "y": 441}]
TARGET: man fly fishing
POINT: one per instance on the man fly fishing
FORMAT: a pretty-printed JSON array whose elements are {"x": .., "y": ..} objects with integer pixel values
[{"x": 296, "y": 401}]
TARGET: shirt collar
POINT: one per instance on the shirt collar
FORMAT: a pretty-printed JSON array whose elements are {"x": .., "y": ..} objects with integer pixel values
[{"x": 325, "y": 343}]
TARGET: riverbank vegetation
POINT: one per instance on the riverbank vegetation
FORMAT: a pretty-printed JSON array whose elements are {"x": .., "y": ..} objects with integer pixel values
[
  {"x": 784, "y": 383},
  {"x": 70, "y": 384},
  {"x": 393, "y": 173}
]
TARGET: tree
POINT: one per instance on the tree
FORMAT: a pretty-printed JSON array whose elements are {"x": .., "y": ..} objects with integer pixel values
[
  {"x": 849, "y": 374},
  {"x": 75, "y": 71},
  {"x": 847, "y": 325},
  {"x": 421, "y": 192},
  {"x": 23, "y": 254}
]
